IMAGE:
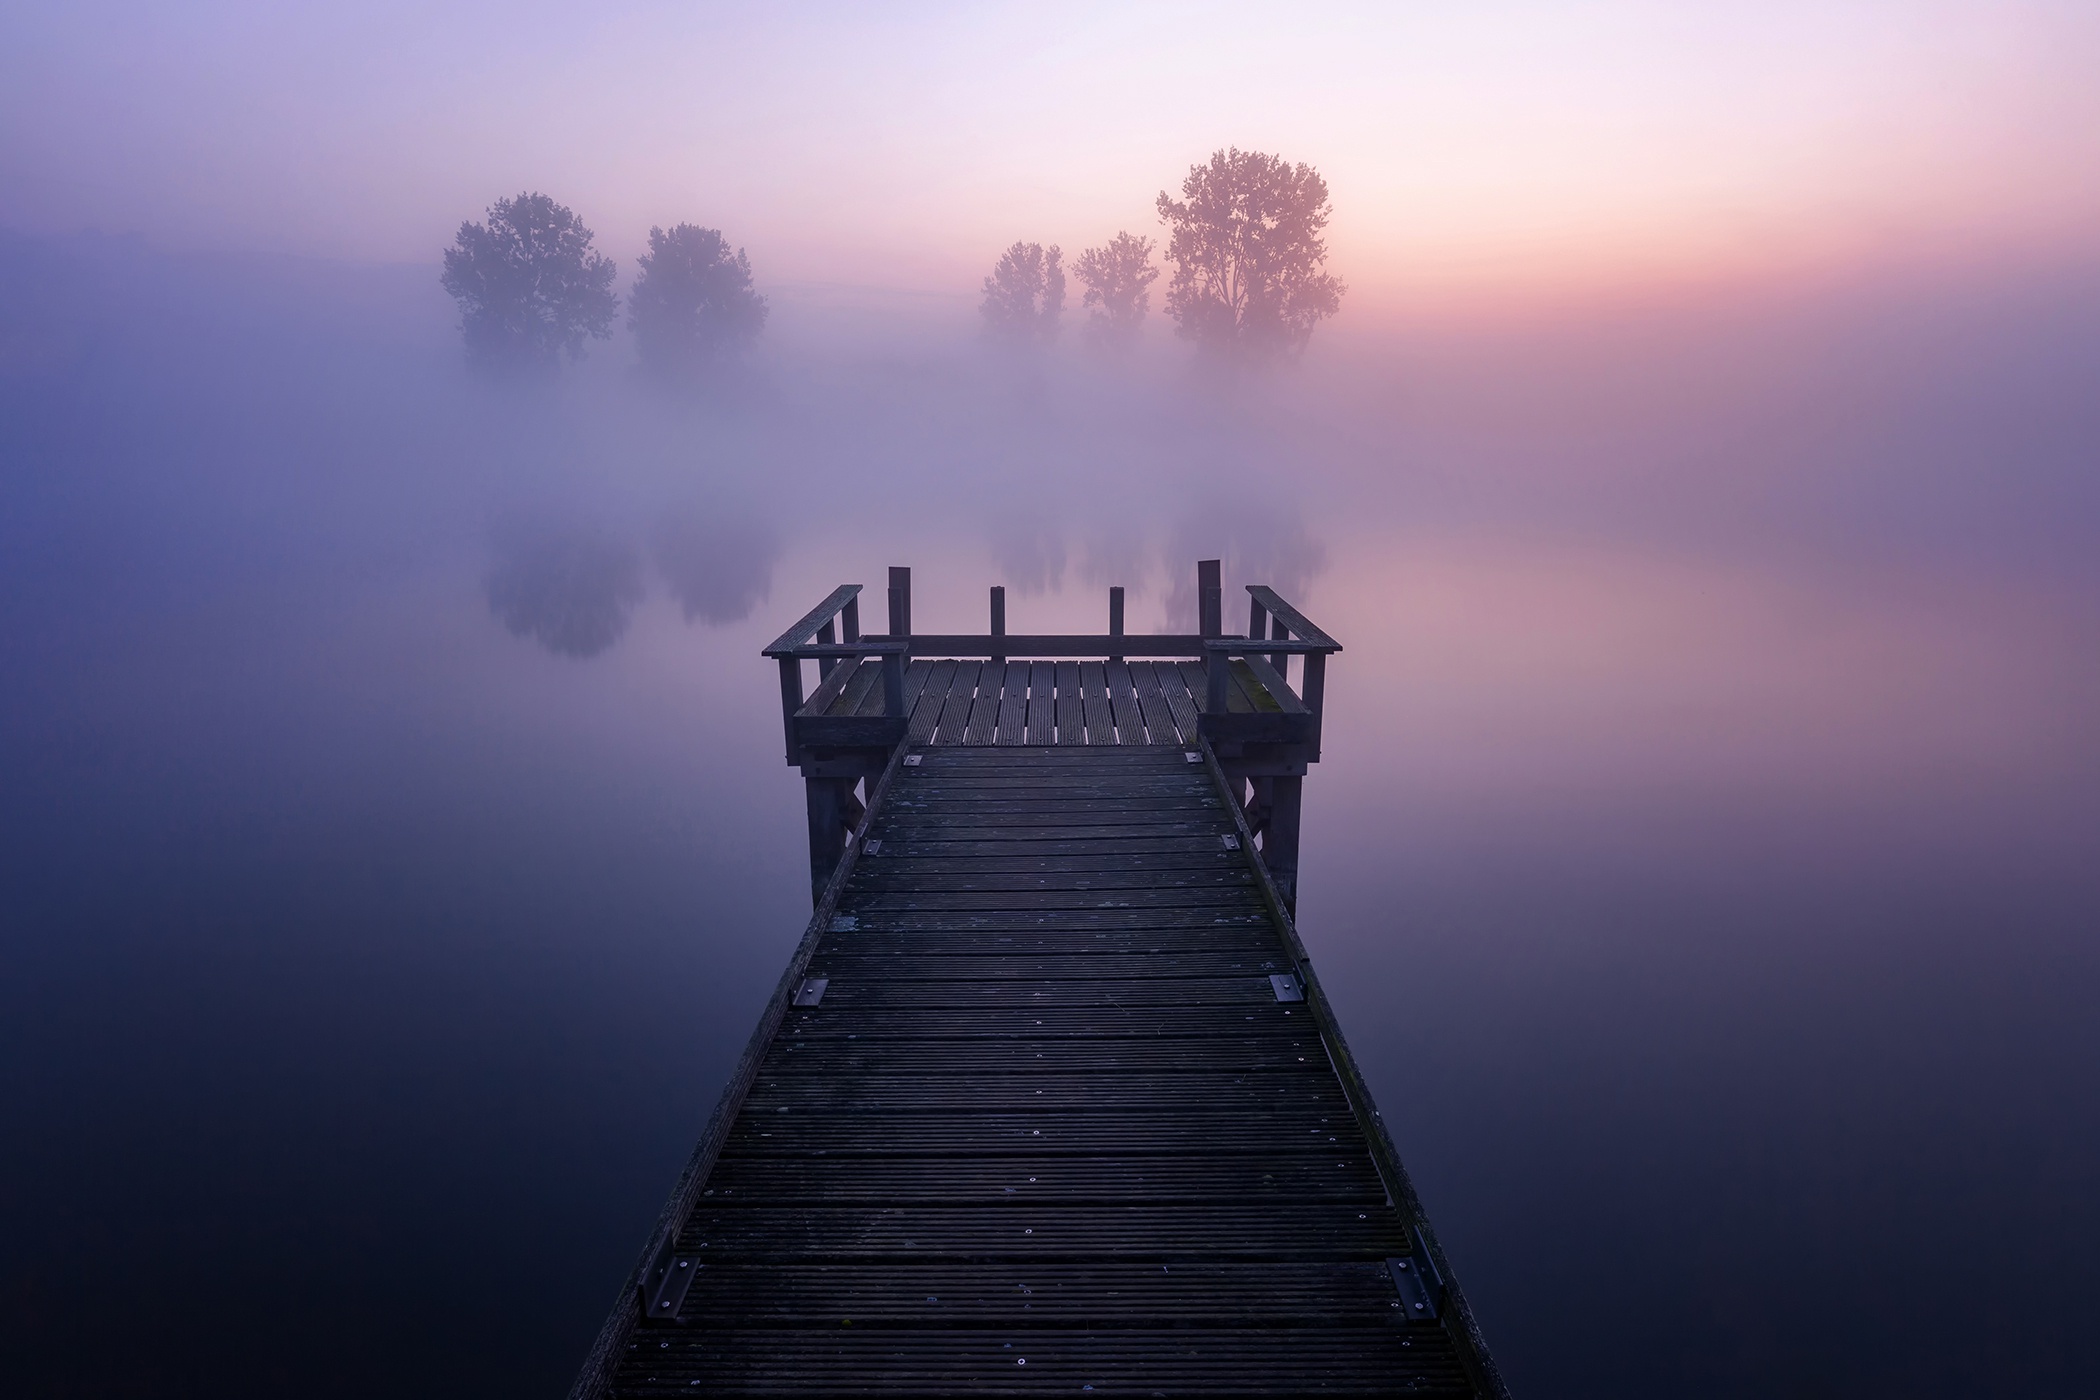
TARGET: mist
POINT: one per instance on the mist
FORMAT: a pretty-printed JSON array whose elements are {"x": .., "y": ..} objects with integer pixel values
[{"x": 398, "y": 852}]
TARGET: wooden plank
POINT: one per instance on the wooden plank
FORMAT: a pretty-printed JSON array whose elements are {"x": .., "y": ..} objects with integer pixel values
[
  {"x": 827, "y": 692},
  {"x": 1042, "y": 703},
  {"x": 1099, "y": 718},
  {"x": 867, "y": 680},
  {"x": 1122, "y": 700},
  {"x": 962, "y": 695},
  {"x": 1290, "y": 617},
  {"x": 984, "y": 711},
  {"x": 1180, "y": 704},
  {"x": 1013, "y": 704},
  {"x": 1054, "y": 646},
  {"x": 1159, "y": 720},
  {"x": 816, "y": 617},
  {"x": 1273, "y": 686},
  {"x": 1071, "y": 713},
  {"x": 933, "y": 694}
]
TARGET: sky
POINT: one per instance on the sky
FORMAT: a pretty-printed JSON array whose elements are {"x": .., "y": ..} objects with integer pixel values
[
  {"x": 1475, "y": 152},
  {"x": 1700, "y": 475}
]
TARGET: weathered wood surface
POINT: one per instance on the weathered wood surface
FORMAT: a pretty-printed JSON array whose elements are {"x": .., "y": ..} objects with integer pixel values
[
  {"x": 1039, "y": 704},
  {"x": 1049, "y": 1129}
]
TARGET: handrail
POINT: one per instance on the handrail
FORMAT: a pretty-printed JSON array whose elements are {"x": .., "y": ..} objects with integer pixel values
[
  {"x": 1290, "y": 617},
  {"x": 846, "y": 594}
]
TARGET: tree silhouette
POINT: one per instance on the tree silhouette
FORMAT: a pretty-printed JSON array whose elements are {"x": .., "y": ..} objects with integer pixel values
[
  {"x": 1118, "y": 278},
  {"x": 1025, "y": 295},
  {"x": 529, "y": 286},
  {"x": 1247, "y": 255},
  {"x": 692, "y": 303}
]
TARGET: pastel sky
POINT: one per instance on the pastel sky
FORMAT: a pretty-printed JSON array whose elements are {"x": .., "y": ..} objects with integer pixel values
[{"x": 1469, "y": 148}]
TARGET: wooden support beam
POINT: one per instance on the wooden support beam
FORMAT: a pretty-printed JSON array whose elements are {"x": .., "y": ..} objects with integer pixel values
[
  {"x": 1210, "y": 599},
  {"x": 829, "y": 802},
  {"x": 998, "y": 622},
  {"x": 790, "y": 699},
  {"x": 1279, "y": 841},
  {"x": 1115, "y": 618},
  {"x": 900, "y": 602}
]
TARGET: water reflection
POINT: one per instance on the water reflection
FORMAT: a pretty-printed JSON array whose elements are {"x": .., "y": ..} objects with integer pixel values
[
  {"x": 569, "y": 587},
  {"x": 718, "y": 568}
]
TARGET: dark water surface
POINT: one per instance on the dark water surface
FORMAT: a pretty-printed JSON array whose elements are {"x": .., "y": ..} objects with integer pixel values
[{"x": 1714, "y": 912}]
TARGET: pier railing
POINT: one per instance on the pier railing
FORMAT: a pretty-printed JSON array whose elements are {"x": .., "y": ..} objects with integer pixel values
[{"x": 1230, "y": 692}]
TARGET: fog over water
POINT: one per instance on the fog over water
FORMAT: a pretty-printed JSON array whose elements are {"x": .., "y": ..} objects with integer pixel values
[{"x": 397, "y": 851}]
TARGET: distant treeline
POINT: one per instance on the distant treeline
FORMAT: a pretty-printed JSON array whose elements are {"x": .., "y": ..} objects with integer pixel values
[{"x": 1245, "y": 243}]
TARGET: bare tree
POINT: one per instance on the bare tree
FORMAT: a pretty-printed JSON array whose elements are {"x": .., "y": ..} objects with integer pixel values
[
  {"x": 693, "y": 302},
  {"x": 1118, "y": 278},
  {"x": 1247, "y": 253},
  {"x": 1025, "y": 295},
  {"x": 529, "y": 285}
]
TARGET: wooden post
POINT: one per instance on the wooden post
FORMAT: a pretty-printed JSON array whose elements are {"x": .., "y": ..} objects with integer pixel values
[
  {"x": 1257, "y": 620},
  {"x": 999, "y": 621},
  {"x": 1115, "y": 615},
  {"x": 1279, "y": 844},
  {"x": 1210, "y": 622},
  {"x": 1281, "y": 660},
  {"x": 828, "y": 799},
  {"x": 828, "y": 635},
  {"x": 851, "y": 619},
  {"x": 900, "y": 603},
  {"x": 790, "y": 699},
  {"x": 1314, "y": 694}
]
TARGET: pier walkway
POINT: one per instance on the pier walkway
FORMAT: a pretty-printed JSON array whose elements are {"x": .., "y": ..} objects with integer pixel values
[{"x": 1049, "y": 1099}]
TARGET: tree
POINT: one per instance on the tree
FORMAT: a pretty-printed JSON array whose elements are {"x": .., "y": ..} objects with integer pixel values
[
  {"x": 1118, "y": 278},
  {"x": 693, "y": 302},
  {"x": 1025, "y": 295},
  {"x": 529, "y": 286},
  {"x": 1247, "y": 255}
]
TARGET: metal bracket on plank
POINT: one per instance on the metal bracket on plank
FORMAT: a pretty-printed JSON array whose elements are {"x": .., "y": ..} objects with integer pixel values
[
  {"x": 911, "y": 760},
  {"x": 871, "y": 847},
  {"x": 1193, "y": 757},
  {"x": 664, "y": 1286},
  {"x": 1232, "y": 842},
  {"x": 811, "y": 991},
  {"x": 1287, "y": 988},
  {"x": 844, "y": 923},
  {"x": 1416, "y": 1280}
]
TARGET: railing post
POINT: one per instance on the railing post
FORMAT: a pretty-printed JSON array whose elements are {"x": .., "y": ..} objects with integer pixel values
[
  {"x": 900, "y": 603},
  {"x": 1210, "y": 622},
  {"x": 1281, "y": 660},
  {"x": 1115, "y": 615},
  {"x": 850, "y": 619},
  {"x": 828, "y": 635},
  {"x": 1257, "y": 620},
  {"x": 790, "y": 699},
  {"x": 893, "y": 684},
  {"x": 1314, "y": 694},
  {"x": 999, "y": 621}
]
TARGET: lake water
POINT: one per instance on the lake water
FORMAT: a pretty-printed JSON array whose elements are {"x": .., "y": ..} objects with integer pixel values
[{"x": 1702, "y": 863}]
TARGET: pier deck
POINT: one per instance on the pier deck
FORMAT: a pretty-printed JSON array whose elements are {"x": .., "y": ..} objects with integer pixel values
[{"x": 1049, "y": 1099}]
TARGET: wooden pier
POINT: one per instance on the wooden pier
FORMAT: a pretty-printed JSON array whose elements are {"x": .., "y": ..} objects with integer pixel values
[{"x": 1049, "y": 1099}]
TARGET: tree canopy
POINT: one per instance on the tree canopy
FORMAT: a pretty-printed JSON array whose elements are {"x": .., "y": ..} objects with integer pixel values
[
  {"x": 1118, "y": 277},
  {"x": 1247, "y": 252},
  {"x": 1025, "y": 295},
  {"x": 529, "y": 285},
  {"x": 693, "y": 302}
]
